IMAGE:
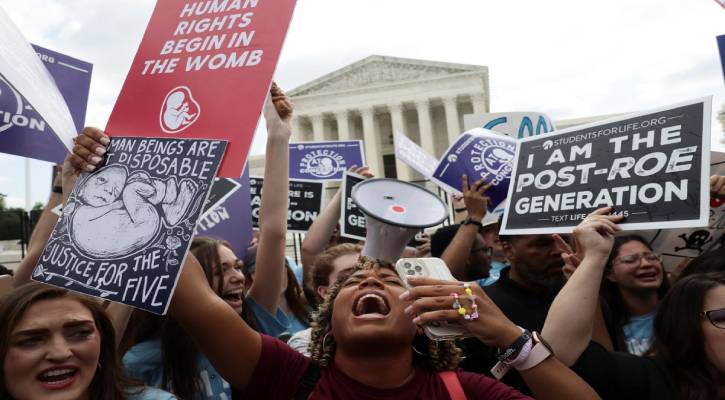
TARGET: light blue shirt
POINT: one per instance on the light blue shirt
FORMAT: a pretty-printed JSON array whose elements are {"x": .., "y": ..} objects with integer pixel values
[
  {"x": 149, "y": 393},
  {"x": 638, "y": 333},
  {"x": 143, "y": 362},
  {"x": 493, "y": 274},
  {"x": 274, "y": 325}
]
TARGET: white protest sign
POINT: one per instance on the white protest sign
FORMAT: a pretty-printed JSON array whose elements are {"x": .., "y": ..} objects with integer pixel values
[
  {"x": 413, "y": 155},
  {"x": 652, "y": 167},
  {"x": 21, "y": 68},
  {"x": 515, "y": 124},
  {"x": 676, "y": 244}
]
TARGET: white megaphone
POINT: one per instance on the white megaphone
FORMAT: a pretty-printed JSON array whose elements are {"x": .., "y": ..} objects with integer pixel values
[{"x": 395, "y": 211}]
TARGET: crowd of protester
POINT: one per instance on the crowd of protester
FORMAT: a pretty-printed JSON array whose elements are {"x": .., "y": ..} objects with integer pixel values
[{"x": 590, "y": 315}]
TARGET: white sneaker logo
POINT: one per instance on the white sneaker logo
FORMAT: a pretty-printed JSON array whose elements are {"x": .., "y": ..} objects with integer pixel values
[{"x": 179, "y": 110}]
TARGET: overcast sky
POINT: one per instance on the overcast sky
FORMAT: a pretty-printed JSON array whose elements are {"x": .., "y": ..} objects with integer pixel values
[{"x": 565, "y": 58}]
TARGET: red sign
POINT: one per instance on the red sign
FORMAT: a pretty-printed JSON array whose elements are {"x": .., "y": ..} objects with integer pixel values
[{"x": 203, "y": 70}]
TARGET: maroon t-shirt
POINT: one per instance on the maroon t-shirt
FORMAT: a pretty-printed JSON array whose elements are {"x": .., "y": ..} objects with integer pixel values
[{"x": 280, "y": 370}]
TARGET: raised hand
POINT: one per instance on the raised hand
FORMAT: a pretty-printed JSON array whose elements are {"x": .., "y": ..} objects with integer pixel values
[
  {"x": 474, "y": 199},
  {"x": 433, "y": 301},
  {"x": 90, "y": 146},
  {"x": 278, "y": 112},
  {"x": 595, "y": 234}
]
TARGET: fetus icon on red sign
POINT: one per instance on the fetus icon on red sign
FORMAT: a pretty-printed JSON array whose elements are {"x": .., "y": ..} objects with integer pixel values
[{"x": 179, "y": 110}]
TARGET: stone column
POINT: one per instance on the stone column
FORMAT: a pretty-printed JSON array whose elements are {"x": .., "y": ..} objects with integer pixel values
[
  {"x": 424, "y": 124},
  {"x": 318, "y": 127},
  {"x": 343, "y": 125},
  {"x": 396, "y": 118},
  {"x": 479, "y": 103},
  {"x": 373, "y": 156},
  {"x": 298, "y": 134},
  {"x": 454, "y": 127}
]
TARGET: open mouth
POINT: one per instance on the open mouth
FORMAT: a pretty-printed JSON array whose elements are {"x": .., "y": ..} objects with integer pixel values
[
  {"x": 370, "y": 305},
  {"x": 58, "y": 378},
  {"x": 649, "y": 274},
  {"x": 234, "y": 298}
]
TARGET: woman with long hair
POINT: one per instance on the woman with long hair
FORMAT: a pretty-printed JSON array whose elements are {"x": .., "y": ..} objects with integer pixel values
[
  {"x": 634, "y": 283},
  {"x": 58, "y": 345},
  {"x": 688, "y": 352},
  {"x": 164, "y": 355}
]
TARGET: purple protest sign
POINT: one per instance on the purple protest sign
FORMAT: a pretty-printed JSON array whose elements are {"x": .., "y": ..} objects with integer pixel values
[
  {"x": 230, "y": 217},
  {"x": 324, "y": 161},
  {"x": 721, "y": 46},
  {"x": 480, "y": 154},
  {"x": 23, "y": 131}
]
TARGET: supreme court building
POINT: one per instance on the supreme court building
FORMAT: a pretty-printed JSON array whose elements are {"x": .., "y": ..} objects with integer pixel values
[{"x": 372, "y": 98}]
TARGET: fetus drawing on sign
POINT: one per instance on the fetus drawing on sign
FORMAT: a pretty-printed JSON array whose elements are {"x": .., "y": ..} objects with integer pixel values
[
  {"x": 179, "y": 110},
  {"x": 116, "y": 214}
]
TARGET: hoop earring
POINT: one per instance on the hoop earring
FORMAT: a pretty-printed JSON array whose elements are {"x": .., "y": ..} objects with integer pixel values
[
  {"x": 324, "y": 339},
  {"x": 418, "y": 351}
]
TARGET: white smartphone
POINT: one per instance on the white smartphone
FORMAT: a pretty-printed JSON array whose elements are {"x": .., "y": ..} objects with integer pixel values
[{"x": 437, "y": 269}]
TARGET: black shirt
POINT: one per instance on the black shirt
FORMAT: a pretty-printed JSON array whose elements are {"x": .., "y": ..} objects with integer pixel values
[
  {"x": 524, "y": 308},
  {"x": 616, "y": 375}
]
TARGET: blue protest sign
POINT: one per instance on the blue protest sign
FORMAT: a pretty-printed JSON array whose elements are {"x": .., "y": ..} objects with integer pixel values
[
  {"x": 229, "y": 213},
  {"x": 480, "y": 154},
  {"x": 127, "y": 226},
  {"x": 23, "y": 131},
  {"x": 324, "y": 161}
]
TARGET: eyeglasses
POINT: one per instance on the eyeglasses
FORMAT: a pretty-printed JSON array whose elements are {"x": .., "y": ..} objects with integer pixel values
[
  {"x": 636, "y": 258},
  {"x": 716, "y": 317},
  {"x": 487, "y": 251}
]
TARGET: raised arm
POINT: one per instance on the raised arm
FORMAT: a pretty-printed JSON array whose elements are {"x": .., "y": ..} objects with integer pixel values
[
  {"x": 270, "y": 271},
  {"x": 570, "y": 320},
  {"x": 457, "y": 252},
  {"x": 321, "y": 230},
  {"x": 224, "y": 338}
]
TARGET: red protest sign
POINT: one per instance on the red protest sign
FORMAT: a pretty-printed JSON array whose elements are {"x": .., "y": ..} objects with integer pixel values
[{"x": 203, "y": 70}]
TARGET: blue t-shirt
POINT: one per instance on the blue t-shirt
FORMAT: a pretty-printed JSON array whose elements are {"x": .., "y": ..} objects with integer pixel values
[
  {"x": 493, "y": 274},
  {"x": 149, "y": 393},
  {"x": 274, "y": 325},
  {"x": 143, "y": 362},
  {"x": 638, "y": 333}
]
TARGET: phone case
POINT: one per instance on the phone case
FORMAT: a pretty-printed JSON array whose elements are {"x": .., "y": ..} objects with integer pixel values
[{"x": 434, "y": 268}]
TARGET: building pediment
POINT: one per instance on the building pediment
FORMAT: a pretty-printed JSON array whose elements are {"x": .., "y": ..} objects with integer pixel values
[{"x": 380, "y": 71}]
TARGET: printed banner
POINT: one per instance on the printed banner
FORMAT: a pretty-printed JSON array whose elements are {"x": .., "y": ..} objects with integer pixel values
[
  {"x": 203, "y": 70},
  {"x": 324, "y": 161},
  {"x": 127, "y": 227},
  {"x": 228, "y": 214},
  {"x": 305, "y": 203},
  {"x": 480, "y": 154},
  {"x": 23, "y": 131},
  {"x": 25, "y": 82},
  {"x": 676, "y": 244},
  {"x": 413, "y": 155},
  {"x": 514, "y": 124},
  {"x": 353, "y": 219},
  {"x": 652, "y": 167}
]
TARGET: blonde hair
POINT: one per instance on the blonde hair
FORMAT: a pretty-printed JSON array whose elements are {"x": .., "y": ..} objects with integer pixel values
[{"x": 442, "y": 355}]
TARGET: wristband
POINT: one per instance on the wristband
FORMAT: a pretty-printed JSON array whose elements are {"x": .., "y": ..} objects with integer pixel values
[
  {"x": 515, "y": 347},
  {"x": 462, "y": 209},
  {"x": 471, "y": 221},
  {"x": 540, "y": 352},
  {"x": 57, "y": 189}
]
